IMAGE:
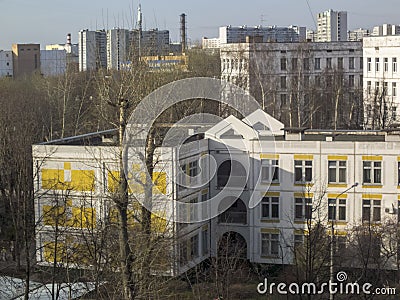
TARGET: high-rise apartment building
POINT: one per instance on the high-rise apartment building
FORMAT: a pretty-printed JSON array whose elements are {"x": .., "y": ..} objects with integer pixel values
[
  {"x": 332, "y": 26},
  {"x": 92, "y": 50},
  {"x": 117, "y": 48},
  {"x": 230, "y": 34}
]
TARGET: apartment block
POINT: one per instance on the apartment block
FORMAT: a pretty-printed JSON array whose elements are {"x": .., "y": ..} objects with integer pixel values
[
  {"x": 332, "y": 26},
  {"x": 381, "y": 81}
]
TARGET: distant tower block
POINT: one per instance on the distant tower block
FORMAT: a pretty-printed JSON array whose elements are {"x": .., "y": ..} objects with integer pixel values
[{"x": 183, "y": 33}]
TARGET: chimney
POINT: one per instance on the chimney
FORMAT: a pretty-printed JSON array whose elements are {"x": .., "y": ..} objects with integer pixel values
[
  {"x": 69, "y": 39},
  {"x": 183, "y": 33}
]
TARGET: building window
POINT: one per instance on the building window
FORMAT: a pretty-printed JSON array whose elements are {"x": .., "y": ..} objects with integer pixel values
[
  {"x": 329, "y": 63},
  {"x": 337, "y": 209},
  {"x": 283, "y": 82},
  {"x": 340, "y": 62},
  {"x": 398, "y": 173},
  {"x": 294, "y": 63},
  {"x": 394, "y": 114},
  {"x": 377, "y": 64},
  {"x": 283, "y": 100},
  {"x": 372, "y": 172},
  {"x": 298, "y": 241},
  {"x": 306, "y": 64},
  {"x": 369, "y": 87},
  {"x": 351, "y": 80},
  {"x": 398, "y": 211},
  {"x": 351, "y": 63},
  {"x": 302, "y": 171},
  {"x": 394, "y": 63},
  {"x": 283, "y": 64},
  {"x": 337, "y": 171},
  {"x": 183, "y": 253},
  {"x": 194, "y": 247},
  {"x": 361, "y": 63},
  {"x": 270, "y": 170},
  {"x": 385, "y": 64},
  {"x": 270, "y": 244},
  {"x": 371, "y": 210},
  {"x": 317, "y": 64},
  {"x": 303, "y": 209},
  {"x": 394, "y": 89},
  {"x": 385, "y": 88},
  {"x": 369, "y": 63},
  {"x": 204, "y": 241},
  {"x": 270, "y": 208},
  {"x": 376, "y": 87}
]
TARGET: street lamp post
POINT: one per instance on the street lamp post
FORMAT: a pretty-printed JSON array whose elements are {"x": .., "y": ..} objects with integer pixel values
[{"x": 332, "y": 248}]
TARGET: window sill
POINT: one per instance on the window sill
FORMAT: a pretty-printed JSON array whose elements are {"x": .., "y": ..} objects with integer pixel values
[
  {"x": 338, "y": 185},
  {"x": 372, "y": 186},
  {"x": 338, "y": 223},
  {"x": 273, "y": 183},
  {"x": 270, "y": 221},
  {"x": 306, "y": 184},
  {"x": 269, "y": 256}
]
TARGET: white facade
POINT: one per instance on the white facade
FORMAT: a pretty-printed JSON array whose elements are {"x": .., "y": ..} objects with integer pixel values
[
  {"x": 231, "y": 34},
  {"x": 358, "y": 34},
  {"x": 272, "y": 72},
  {"x": 295, "y": 179},
  {"x": 381, "y": 80},
  {"x": 6, "y": 63},
  {"x": 210, "y": 43},
  {"x": 332, "y": 26},
  {"x": 92, "y": 50},
  {"x": 386, "y": 29},
  {"x": 53, "y": 62},
  {"x": 117, "y": 48}
]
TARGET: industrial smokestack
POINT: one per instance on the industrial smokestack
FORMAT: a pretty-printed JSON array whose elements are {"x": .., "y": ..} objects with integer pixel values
[
  {"x": 183, "y": 33},
  {"x": 69, "y": 39}
]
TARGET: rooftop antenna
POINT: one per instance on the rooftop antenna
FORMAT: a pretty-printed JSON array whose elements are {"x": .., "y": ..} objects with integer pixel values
[
  {"x": 139, "y": 25},
  {"x": 262, "y": 19}
]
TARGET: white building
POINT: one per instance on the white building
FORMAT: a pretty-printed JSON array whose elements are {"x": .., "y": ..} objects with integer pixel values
[
  {"x": 117, "y": 48},
  {"x": 386, "y": 29},
  {"x": 231, "y": 34},
  {"x": 92, "y": 50},
  {"x": 6, "y": 63},
  {"x": 53, "y": 62},
  {"x": 358, "y": 34},
  {"x": 278, "y": 74},
  {"x": 332, "y": 26},
  {"x": 282, "y": 185},
  {"x": 210, "y": 43},
  {"x": 381, "y": 81}
]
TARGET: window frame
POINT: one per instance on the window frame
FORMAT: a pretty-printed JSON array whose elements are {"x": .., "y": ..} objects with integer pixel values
[
  {"x": 306, "y": 206},
  {"x": 338, "y": 209},
  {"x": 337, "y": 167},
  {"x": 371, "y": 208},
  {"x": 374, "y": 170},
  {"x": 272, "y": 167},
  {"x": 270, "y": 204},
  {"x": 269, "y": 242},
  {"x": 304, "y": 167}
]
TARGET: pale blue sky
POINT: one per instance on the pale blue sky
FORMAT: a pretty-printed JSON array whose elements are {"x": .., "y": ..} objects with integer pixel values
[{"x": 48, "y": 21}]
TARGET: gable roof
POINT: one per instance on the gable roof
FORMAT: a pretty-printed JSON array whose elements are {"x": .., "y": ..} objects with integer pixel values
[{"x": 258, "y": 118}]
